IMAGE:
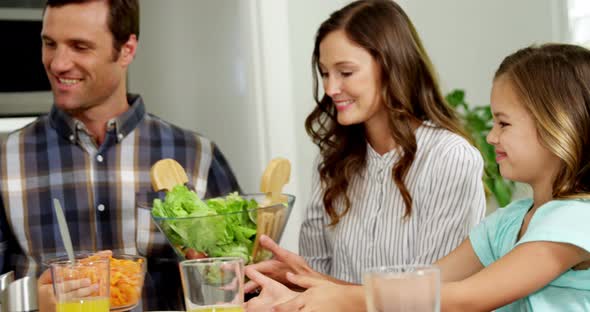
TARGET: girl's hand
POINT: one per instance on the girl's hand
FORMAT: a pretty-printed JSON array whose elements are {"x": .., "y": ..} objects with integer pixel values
[
  {"x": 272, "y": 293},
  {"x": 283, "y": 261},
  {"x": 322, "y": 295}
]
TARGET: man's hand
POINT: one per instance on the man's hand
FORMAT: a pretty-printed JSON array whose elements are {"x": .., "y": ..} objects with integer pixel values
[
  {"x": 322, "y": 295},
  {"x": 45, "y": 295},
  {"x": 73, "y": 288},
  {"x": 283, "y": 261},
  {"x": 272, "y": 292}
]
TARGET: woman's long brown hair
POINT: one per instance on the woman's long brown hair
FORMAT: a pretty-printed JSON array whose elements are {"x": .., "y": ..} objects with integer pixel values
[
  {"x": 553, "y": 83},
  {"x": 409, "y": 91}
]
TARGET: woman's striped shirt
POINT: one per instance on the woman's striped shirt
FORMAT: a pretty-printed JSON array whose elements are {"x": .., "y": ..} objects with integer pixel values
[{"x": 445, "y": 182}]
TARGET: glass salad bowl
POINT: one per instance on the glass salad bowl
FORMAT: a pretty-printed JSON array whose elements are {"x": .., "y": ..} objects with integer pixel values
[{"x": 219, "y": 227}]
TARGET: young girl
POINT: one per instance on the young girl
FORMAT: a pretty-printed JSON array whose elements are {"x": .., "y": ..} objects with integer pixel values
[
  {"x": 397, "y": 182},
  {"x": 532, "y": 255}
]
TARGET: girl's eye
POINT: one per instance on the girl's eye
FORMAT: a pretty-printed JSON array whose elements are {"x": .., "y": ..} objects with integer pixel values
[
  {"x": 503, "y": 124},
  {"x": 324, "y": 75},
  {"x": 346, "y": 74}
]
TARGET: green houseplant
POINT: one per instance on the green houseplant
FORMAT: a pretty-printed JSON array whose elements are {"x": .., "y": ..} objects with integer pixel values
[{"x": 478, "y": 123}]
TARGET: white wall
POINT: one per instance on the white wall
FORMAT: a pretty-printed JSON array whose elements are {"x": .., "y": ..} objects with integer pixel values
[
  {"x": 194, "y": 68},
  {"x": 239, "y": 72},
  {"x": 467, "y": 39}
]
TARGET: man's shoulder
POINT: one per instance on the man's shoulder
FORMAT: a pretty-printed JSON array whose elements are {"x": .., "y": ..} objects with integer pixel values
[
  {"x": 168, "y": 129},
  {"x": 34, "y": 129}
]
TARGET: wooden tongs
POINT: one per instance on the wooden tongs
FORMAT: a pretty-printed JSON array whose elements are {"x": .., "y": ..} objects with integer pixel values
[
  {"x": 166, "y": 174},
  {"x": 272, "y": 215}
]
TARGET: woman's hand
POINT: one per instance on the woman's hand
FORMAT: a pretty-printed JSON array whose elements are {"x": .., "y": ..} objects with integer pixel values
[
  {"x": 283, "y": 261},
  {"x": 322, "y": 295},
  {"x": 272, "y": 292}
]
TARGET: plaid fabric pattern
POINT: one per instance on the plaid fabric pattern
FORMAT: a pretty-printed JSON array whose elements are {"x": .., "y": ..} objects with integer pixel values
[{"x": 101, "y": 189}]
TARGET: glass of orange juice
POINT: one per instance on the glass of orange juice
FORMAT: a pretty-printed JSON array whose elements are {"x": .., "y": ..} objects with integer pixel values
[
  {"x": 213, "y": 284},
  {"x": 82, "y": 285}
]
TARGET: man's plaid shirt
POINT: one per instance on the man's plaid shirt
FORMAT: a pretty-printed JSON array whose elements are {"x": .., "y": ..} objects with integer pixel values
[{"x": 99, "y": 188}]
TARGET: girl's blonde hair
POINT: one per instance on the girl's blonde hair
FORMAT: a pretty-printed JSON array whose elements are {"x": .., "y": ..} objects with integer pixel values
[{"x": 553, "y": 83}]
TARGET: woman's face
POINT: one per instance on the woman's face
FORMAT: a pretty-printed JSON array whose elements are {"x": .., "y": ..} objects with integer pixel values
[
  {"x": 519, "y": 152},
  {"x": 351, "y": 78}
]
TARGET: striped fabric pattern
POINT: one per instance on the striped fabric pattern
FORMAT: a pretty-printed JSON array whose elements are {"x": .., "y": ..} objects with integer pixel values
[
  {"x": 446, "y": 185},
  {"x": 101, "y": 188}
]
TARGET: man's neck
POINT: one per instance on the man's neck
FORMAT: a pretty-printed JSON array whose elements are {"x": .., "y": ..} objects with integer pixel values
[{"x": 96, "y": 118}]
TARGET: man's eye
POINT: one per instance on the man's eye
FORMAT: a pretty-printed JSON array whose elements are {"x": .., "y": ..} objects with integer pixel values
[
  {"x": 81, "y": 47},
  {"x": 48, "y": 44}
]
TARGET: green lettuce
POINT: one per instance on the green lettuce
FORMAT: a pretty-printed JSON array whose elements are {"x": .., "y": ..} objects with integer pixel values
[{"x": 224, "y": 226}]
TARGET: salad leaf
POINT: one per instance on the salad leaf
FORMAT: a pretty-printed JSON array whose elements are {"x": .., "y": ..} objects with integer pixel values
[{"x": 218, "y": 227}]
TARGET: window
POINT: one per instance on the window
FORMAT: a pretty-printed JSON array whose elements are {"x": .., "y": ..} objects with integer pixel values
[{"x": 579, "y": 21}]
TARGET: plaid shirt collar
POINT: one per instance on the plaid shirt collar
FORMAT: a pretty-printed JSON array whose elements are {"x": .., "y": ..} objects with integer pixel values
[{"x": 69, "y": 127}]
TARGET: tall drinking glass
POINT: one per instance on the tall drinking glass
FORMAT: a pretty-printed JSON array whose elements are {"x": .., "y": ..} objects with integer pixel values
[
  {"x": 413, "y": 288},
  {"x": 213, "y": 284},
  {"x": 81, "y": 286}
]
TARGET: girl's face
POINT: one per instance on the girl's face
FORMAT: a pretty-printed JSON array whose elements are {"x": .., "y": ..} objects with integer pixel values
[
  {"x": 519, "y": 152},
  {"x": 350, "y": 77}
]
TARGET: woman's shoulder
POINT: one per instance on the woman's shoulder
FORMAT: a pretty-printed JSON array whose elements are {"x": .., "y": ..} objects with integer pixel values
[{"x": 434, "y": 141}]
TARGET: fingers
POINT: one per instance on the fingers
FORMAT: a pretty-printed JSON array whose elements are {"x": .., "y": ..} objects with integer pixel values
[
  {"x": 304, "y": 281},
  {"x": 294, "y": 304},
  {"x": 73, "y": 285},
  {"x": 258, "y": 278},
  {"x": 269, "y": 244},
  {"x": 250, "y": 286},
  {"x": 82, "y": 292},
  {"x": 45, "y": 278}
]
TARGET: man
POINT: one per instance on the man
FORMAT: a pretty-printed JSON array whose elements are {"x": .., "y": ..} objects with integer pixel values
[{"x": 93, "y": 152}]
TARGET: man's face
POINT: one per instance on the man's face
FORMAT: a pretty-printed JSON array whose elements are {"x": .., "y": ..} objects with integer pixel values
[{"x": 78, "y": 56}]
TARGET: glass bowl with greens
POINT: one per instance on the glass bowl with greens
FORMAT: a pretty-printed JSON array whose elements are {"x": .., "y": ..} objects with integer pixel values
[{"x": 217, "y": 227}]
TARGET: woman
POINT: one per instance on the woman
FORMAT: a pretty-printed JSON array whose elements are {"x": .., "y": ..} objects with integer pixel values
[{"x": 397, "y": 181}]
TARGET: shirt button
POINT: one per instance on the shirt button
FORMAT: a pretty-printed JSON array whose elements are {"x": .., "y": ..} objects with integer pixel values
[
  {"x": 100, "y": 207},
  {"x": 72, "y": 138},
  {"x": 120, "y": 136},
  {"x": 99, "y": 158}
]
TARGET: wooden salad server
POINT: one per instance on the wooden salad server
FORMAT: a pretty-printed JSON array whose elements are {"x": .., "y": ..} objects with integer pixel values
[
  {"x": 270, "y": 220},
  {"x": 166, "y": 174}
]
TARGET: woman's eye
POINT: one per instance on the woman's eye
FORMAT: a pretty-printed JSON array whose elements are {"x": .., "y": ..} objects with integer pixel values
[
  {"x": 503, "y": 124},
  {"x": 324, "y": 75},
  {"x": 346, "y": 74}
]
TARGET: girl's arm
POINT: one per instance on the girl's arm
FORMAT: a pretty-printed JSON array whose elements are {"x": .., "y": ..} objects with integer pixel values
[
  {"x": 460, "y": 263},
  {"x": 525, "y": 269}
]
